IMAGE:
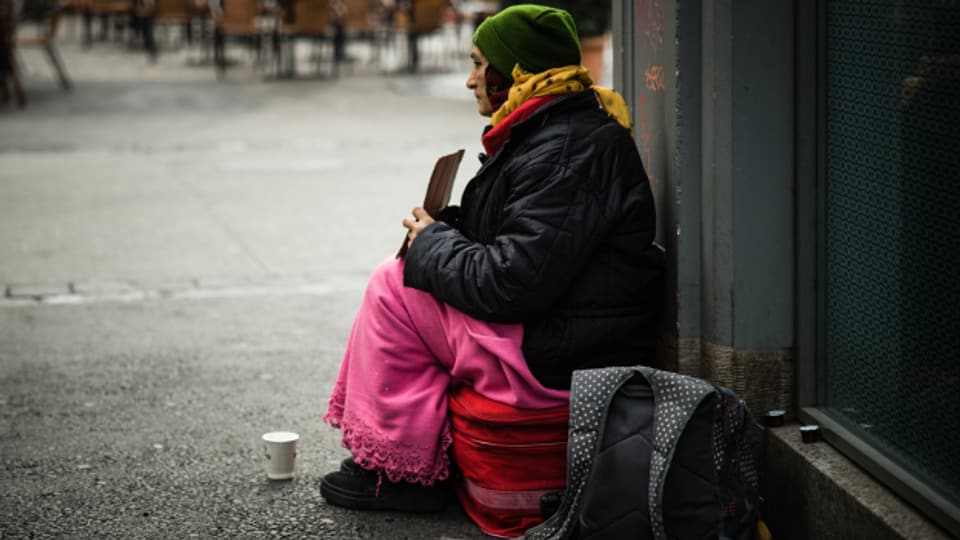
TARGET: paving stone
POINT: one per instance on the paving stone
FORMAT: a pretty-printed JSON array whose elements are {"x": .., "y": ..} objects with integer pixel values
[
  {"x": 101, "y": 288},
  {"x": 37, "y": 292}
]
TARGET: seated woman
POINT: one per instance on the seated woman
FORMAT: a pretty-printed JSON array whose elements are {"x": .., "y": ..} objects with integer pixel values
[{"x": 548, "y": 266}]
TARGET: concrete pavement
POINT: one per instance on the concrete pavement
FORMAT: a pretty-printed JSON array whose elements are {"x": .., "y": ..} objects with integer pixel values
[{"x": 180, "y": 262}]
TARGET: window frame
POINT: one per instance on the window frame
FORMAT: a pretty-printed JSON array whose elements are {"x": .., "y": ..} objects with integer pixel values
[{"x": 811, "y": 193}]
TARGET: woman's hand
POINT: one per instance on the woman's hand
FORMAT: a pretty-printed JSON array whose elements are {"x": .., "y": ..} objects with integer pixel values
[{"x": 416, "y": 224}]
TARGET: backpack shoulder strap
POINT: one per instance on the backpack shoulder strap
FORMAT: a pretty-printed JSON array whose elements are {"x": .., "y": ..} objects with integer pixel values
[
  {"x": 590, "y": 393},
  {"x": 676, "y": 398}
]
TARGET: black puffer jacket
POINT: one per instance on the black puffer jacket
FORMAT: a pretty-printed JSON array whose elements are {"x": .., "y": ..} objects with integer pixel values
[{"x": 556, "y": 232}]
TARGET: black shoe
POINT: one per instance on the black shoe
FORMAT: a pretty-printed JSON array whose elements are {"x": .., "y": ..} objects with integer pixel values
[
  {"x": 356, "y": 488},
  {"x": 350, "y": 466}
]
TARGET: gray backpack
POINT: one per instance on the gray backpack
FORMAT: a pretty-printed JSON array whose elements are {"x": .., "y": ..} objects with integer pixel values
[{"x": 654, "y": 454}]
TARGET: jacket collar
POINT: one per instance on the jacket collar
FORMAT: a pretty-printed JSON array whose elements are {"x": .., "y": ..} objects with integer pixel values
[
  {"x": 494, "y": 138},
  {"x": 538, "y": 115}
]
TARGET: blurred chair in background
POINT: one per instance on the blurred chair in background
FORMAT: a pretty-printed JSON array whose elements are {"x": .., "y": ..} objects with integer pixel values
[
  {"x": 71, "y": 21},
  {"x": 168, "y": 14},
  {"x": 237, "y": 19},
  {"x": 172, "y": 13},
  {"x": 202, "y": 20},
  {"x": 424, "y": 18},
  {"x": 310, "y": 19},
  {"x": 43, "y": 37},
  {"x": 112, "y": 13},
  {"x": 359, "y": 20},
  {"x": 9, "y": 71}
]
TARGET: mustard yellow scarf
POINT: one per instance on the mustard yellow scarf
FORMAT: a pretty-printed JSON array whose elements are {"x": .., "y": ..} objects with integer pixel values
[{"x": 559, "y": 81}]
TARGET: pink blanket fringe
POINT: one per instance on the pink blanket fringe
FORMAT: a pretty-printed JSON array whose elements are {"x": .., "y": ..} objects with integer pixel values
[{"x": 404, "y": 352}]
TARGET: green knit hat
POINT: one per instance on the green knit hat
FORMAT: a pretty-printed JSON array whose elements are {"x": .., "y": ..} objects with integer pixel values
[{"x": 536, "y": 37}]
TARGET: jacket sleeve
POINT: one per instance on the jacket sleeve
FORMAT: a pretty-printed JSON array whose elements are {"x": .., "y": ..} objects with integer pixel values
[{"x": 551, "y": 222}]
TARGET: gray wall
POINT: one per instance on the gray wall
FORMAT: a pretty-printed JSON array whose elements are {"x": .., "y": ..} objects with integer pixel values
[{"x": 711, "y": 89}]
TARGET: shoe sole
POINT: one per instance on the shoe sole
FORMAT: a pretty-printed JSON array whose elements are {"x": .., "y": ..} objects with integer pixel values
[{"x": 338, "y": 497}]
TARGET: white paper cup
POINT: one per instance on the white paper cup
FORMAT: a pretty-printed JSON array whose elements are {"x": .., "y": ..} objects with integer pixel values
[{"x": 280, "y": 449}]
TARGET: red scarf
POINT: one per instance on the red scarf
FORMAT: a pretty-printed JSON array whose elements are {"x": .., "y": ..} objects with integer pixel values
[{"x": 494, "y": 138}]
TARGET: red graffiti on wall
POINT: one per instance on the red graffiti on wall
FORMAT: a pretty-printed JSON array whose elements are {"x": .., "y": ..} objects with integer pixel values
[
  {"x": 645, "y": 151},
  {"x": 650, "y": 35},
  {"x": 654, "y": 78},
  {"x": 650, "y": 23}
]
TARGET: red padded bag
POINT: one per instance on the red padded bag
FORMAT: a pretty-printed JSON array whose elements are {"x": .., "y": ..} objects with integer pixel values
[{"x": 509, "y": 458}]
